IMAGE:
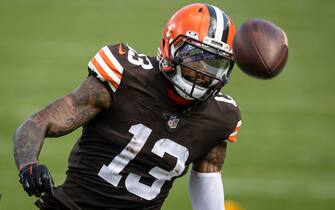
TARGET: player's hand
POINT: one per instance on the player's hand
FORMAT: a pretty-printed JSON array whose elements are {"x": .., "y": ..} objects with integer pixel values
[{"x": 36, "y": 179}]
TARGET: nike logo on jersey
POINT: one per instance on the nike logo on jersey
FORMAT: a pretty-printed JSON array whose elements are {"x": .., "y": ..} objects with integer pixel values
[{"x": 121, "y": 50}]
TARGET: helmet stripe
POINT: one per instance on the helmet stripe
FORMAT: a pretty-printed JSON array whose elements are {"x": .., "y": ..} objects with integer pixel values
[
  {"x": 212, "y": 21},
  {"x": 226, "y": 24},
  {"x": 231, "y": 33},
  {"x": 219, "y": 24}
]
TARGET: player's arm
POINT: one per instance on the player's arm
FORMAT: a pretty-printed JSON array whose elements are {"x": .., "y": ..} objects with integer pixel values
[
  {"x": 59, "y": 118},
  {"x": 213, "y": 161},
  {"x": 205, "y": 184}
]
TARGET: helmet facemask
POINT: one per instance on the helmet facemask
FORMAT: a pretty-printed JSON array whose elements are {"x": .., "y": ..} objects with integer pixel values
[{"x": 200, "y": 69}]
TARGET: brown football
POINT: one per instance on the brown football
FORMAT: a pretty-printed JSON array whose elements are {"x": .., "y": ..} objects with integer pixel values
[{"x": 260, "y": 48}]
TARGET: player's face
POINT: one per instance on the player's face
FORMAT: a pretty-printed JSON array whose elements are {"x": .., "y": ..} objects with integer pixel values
[
  {"x": 192, "y": 76},
  {"x": 205, "y": 73},
  {"x": 200, "y": 67}
]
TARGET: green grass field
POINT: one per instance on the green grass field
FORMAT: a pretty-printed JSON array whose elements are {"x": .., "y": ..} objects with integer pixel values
[{"x": 285, "y": 155}]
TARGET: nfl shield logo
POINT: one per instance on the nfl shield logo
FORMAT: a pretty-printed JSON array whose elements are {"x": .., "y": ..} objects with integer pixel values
[{"x": 173, "y": 122}]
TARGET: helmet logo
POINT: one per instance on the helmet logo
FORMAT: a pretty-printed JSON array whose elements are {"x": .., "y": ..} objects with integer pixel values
[{"x": 170, "y": 28}]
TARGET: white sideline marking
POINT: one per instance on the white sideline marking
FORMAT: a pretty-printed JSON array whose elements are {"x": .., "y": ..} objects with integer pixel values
[{"x": 286, "y": 187}]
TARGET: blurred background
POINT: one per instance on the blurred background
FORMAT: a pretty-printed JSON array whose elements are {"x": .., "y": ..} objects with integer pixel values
[{"x": 284, "y": 158}]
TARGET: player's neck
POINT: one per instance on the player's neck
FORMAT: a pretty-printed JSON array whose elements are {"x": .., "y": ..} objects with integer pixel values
[{"x": 176, "y": 98}]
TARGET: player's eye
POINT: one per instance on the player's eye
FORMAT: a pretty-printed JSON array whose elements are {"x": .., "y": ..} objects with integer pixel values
[{"x": 196, "y": 76}]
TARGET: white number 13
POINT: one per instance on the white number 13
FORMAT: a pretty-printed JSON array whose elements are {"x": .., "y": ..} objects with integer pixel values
[{"x": 111, "y": 173}]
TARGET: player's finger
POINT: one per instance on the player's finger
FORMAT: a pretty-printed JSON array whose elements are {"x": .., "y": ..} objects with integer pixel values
[
  {"x": 37, "y": 193},
  {"x": 47, "y": 183},
  {"x": 28, "y": 191},
  {"x": 27, "y": 188},
  {"x": 26, "y": 185},
  {"x": 39, "y": 182},
  {"x": 31, "y": 184},
  {"x": 39, "y": 186}
]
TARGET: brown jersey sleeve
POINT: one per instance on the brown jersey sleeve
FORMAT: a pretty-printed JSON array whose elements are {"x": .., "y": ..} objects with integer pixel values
[
  {"x": 234, "y": 114},
  {"x": 233, "y": 136},
  {"x": 106, "y": 66}
]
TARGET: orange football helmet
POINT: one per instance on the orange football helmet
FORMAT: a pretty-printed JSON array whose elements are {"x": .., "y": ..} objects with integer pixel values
[{"x": 195, "y": 52}]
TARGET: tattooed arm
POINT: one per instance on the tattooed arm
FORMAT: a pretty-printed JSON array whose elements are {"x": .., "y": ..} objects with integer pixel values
[
  {"x": 213, "y": 161},
  {"x": 59, "y": 118},
  {"x": 205, "y": 184}
]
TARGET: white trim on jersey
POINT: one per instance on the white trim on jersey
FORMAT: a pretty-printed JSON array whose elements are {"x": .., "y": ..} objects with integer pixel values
[
  {"x": 233, "y": 134},
  {"x": 91, "y": 66},
  {"x": 112, "y": 86},
  {"x": 230, "y": 100},
  {"x": 107, "y": 69},
  {"x": 112, "y": 58}
]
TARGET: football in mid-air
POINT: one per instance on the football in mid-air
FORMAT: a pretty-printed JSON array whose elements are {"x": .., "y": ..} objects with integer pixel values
[{"x": 260, "y": 48}]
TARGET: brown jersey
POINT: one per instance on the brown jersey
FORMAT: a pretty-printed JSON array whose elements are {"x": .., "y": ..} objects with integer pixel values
[{"x": 128, "y": 156}]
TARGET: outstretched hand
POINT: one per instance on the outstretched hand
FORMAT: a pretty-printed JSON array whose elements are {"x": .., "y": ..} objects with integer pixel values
[{"x": 36, "y": 179}]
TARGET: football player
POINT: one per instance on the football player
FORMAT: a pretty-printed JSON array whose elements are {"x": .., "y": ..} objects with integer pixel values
[{"x": 144, "y": 120}]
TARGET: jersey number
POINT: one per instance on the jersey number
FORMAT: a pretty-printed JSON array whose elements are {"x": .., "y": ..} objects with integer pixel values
[
  {"x": 141, "y": 133},
  {"x": 139, "y": 59}
]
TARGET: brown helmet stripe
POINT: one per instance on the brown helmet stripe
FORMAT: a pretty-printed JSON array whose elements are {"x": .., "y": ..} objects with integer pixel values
[
  {"x": 212, "y": 21},
  {"x": 226, "y": 24}
]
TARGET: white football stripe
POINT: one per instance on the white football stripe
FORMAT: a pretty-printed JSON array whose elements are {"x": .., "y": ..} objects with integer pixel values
[
  {"x": 111, "y": 57},
  {"x": 219, "y": 24},
  {"x": 239, "y": 123},
  {"x": 106, "y": 68},
  {"x": 268, "y": 187}
]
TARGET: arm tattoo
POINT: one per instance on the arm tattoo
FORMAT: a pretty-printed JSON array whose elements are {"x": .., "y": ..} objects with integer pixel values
[
  {"x": 213, "y": 161},
  {"x": 59, "y": 118}
]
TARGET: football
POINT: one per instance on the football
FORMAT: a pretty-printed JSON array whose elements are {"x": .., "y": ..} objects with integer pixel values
[{"x": 260, "y": 48}]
